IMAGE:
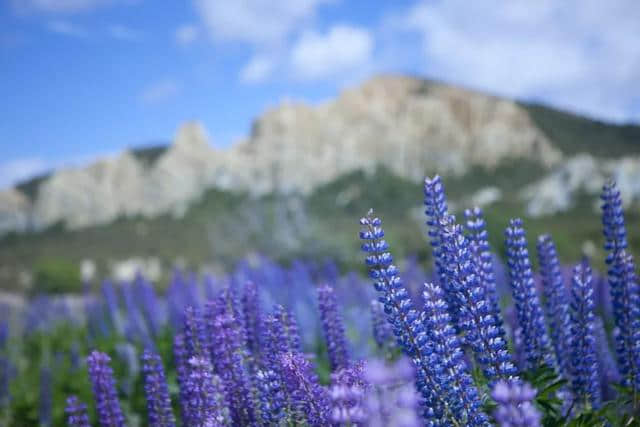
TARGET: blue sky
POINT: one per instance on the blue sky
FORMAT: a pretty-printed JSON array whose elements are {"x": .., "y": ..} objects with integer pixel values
[{"x": 83, "y": 78}]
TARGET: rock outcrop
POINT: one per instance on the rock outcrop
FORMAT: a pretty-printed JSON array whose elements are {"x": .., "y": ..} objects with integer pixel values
[
  {"x": 410, "y": 126},
  {"x": 582, "y": 175}
]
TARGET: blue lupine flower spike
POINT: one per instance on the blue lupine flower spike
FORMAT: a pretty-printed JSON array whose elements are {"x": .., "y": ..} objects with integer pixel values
[
  {"x": 584, "y": 361},
  {"x": 333, "y": 328},
  {"x": 156, "y": 390},
  {"x": 537, "y": 347},
  {"x": 104, "y": 390}
]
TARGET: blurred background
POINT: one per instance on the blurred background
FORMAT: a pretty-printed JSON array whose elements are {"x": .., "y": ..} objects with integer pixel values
[{"x": 136, "y": 137}]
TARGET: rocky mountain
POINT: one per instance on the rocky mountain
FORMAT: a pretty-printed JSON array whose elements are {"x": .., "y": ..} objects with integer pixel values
[{"x": 407, "y": 125}]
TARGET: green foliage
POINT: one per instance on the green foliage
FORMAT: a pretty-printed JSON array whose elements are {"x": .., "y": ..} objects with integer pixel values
[
  {"x": 574, "y": 134},
  {"x": 54, "y": 275}
]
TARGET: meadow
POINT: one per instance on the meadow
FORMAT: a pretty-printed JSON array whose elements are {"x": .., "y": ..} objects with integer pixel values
[{"x": 475, "y": 339}]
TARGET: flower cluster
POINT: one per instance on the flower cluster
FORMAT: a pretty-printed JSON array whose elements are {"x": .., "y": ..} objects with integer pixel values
[
  {"x": 515, "y": 405},
  {"x": 530, "y": 318},
  {"x": 435, "y": 350}
]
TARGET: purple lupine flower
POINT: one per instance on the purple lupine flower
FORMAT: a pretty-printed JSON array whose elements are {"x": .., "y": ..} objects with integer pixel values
[
  {"x": 45, "y": 397},
  {"x": 181, "y": 359},
  {"x": 537, "y": 348},
  {"x": 104, "y": 390},
  {"x": 609, "y": 373},
  {"x": 407, "y": 325},
  {"x": 310, "y": 400},
  {"x": 113, "y": 308},
  {"x": 252, "y": 317},
  {"x": 159, "y": 409},
  {"x": 479, "y": 244},
  {"x": 437, "y": 212},
  {"x": 229, "y": 354},
  {"x": 205, "y": 404},
  {"x": 271, "y": 397},
  {"x": 346, "y": 405},
  {"x": 195, "y": 333},
  {"x": 515, "y": 407},
  {"x": 557, "y": 302},
  {"x": 482, "y": 331},
  {"x": 392, "y": 400},
  {"x": 135, "y": 327},
  {"x": 463, "y": 395},
  {"x": 625, "y": 292},
  {"x": 333, "y": 328},
  {"x": 281, "y": 332},
  {"x": 352, "y": 375},
  {"x": 5, "y": 365},
  {"x": 382, "y": 332},
  {"x": 150, "y": 304},
  {"x": 76, "y": 413},
  {"x": 280, "y": 336},
  {"x": 584, "y": 362}
]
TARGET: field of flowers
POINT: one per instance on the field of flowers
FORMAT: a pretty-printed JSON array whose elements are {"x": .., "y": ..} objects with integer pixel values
[{"x": 472, "y": 341}]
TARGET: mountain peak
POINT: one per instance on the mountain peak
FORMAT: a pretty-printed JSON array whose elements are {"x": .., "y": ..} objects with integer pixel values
[{"x": 192, "y": 136}]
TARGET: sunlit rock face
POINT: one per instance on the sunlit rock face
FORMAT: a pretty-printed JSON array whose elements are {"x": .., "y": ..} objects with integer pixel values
[
  {"x": 579, "y": 175},
  {"x": 15, "y": 211},
  {"x": 411, "y": 126}
]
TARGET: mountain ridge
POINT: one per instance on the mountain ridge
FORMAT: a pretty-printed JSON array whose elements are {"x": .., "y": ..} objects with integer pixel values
[{"x": 408, "y": 125}]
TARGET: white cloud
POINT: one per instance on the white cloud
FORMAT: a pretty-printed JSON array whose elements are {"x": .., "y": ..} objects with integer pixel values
[
  {"x": 67, "y": 29},
  {"x": 187, "y": 34},
  {"x": 578, "y": 54},
  {"x": 255, "y": 21},
  {"x": 258, "y": 69},
  {"x": 125, "y": 33},
  {"x": 341, "y": 49},
  {"x": 57, "y": 6},
  {"x": 159, "y": 92}
]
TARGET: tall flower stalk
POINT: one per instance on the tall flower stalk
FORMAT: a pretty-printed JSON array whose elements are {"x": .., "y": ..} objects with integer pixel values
[
  {"x": 333, "y": 328},
  {"x": 537, "y": 348},
  {"x": 407, "y": 324},
  {"x": 557, "y": 302},
  {"x": 584, "y": 361},
  {"x": 623, "y": 285}
]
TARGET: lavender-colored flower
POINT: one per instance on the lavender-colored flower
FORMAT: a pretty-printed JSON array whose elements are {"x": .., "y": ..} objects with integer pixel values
[
  {"x": 608, "y": 369},
  {"x": 557, "y": 302},
  {"x": 391, "y": 399},
  {"x": 310, "y": 401},
  {"x": 515, "y": 407},
  {"x": 159, "y": 409},
  {"x": 271, "y": 397},
  {"x": 346, "y": 405},
  {"x": 405, "y": 320},
  {"x": 462, "y": 393},
  {"x": 437, "y": 212},
  {"x": 482, "y": 331},
  {"x": 229, "y": 354},
  {"x": 45, "y": 397},
  {"x": 623, "y": 285},
  {"x": 478, "y": 237},
  {"x": 195, "y": 333},
  {"x": 530, "y": 318},
  {"x": 252, "y": 317},
  {"x": 76, "y": 413},
  {"x": 584, "y": 362},
  {"x": 181, "y": 358},
  {"x": 333, "y": 328},
  {"x": 104, "y": 390},
  {"x": 281, "y": 332},
  {"x": 205, "y": 404},
  {"x": 382, "y": 332}
]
